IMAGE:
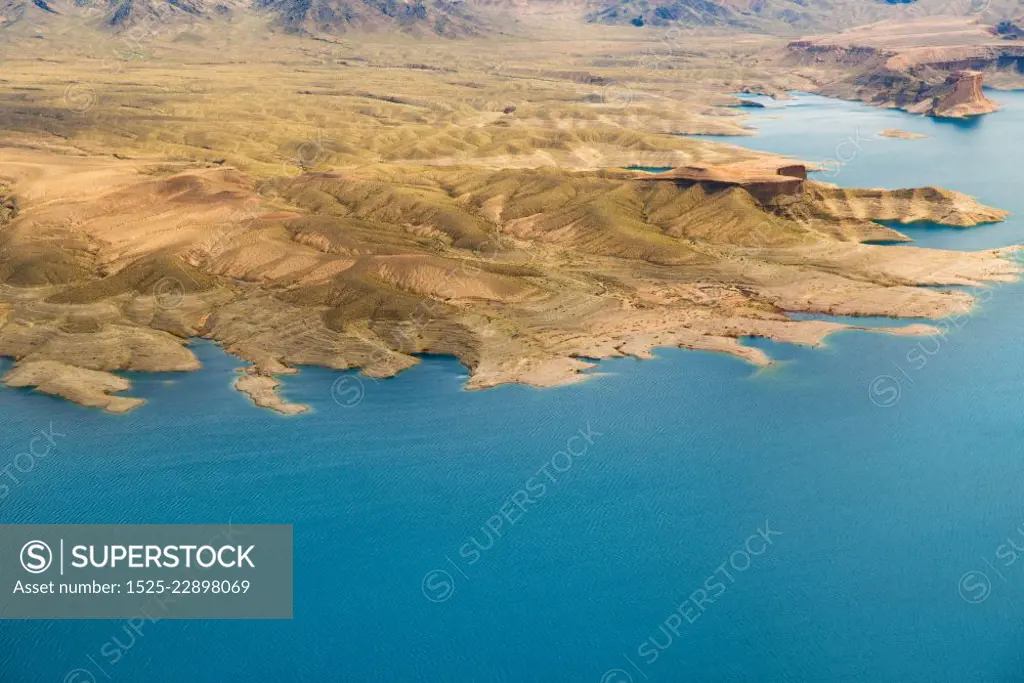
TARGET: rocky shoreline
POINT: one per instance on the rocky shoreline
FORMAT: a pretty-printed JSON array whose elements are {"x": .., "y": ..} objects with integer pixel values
[
  {"x": 486, "y": 265},
  {"x": 932, "y": 66}
]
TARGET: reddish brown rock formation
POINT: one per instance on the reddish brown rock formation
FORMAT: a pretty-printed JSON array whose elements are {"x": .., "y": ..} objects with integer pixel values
[
  {"x": 958, "y": 97},
  {"x": 925, "y": 67},
  {"x": 769, "y": 183}
]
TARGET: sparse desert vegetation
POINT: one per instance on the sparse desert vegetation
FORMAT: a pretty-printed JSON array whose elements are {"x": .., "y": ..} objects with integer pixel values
[{"x": 354, "y": 201}]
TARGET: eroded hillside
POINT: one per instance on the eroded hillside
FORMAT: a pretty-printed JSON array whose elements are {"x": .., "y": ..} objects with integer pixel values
[
  {"x": 522, "y": 274},
  {"x": 932, "y": 66},
  {"x": 360, "y": 204}
]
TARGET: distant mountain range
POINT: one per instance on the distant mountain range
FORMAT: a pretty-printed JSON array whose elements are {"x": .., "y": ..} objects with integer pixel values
[
  {"x": 446, "y": 18},
  {"x": 780, "y": 15},
  {"x": 459, "y": 18},
  {"x": 113, "y": 13}
]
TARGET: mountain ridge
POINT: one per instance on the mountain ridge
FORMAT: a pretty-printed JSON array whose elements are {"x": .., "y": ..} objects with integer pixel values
[{"x": 467, "y": 18}]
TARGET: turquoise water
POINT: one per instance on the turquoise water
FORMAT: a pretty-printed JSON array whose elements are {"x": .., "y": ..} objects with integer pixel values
[
  {"x": 649, "y": 169},
  {"x": 883, "y": 480},
  {"x": 975, "y": 156},
  {"x": 864, "y": 321}
]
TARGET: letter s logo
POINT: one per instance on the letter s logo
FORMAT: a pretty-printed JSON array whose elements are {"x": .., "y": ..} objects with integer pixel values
[{"x": 36, "y": 557}]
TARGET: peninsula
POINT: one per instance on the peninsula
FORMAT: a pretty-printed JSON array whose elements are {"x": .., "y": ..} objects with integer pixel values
[
  {"x": 934, "y": 66},
  {"x": 362, "y": 203}
]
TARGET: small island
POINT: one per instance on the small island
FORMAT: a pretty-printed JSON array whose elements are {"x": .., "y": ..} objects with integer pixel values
[{"x": 901, "y": 134}]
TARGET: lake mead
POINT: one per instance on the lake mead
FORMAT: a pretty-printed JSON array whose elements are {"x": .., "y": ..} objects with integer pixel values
[{"x": 850, "y": 513}]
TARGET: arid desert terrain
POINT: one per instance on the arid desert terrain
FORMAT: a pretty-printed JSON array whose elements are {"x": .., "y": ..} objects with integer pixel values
[{"x": 357, "y": 198}]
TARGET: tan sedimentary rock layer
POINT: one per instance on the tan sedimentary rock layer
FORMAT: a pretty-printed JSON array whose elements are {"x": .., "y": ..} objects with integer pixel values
[
  {"x": 925, "y": 66},
  {"x": 911, "y": 205},
  {"x": 99, "y": 346},
  {"x": 904, "y": 45},
  {"x": 960, "y": 96},
  {"x": 262, "y": 389},
  {"x": 955, "y": 56},
  {"x": 90, "y": 388}
]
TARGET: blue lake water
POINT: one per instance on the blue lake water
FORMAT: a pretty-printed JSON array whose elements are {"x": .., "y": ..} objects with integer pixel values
[
  {"x": 973, "y": 156},
  {"x": 887, "y": 469}
]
